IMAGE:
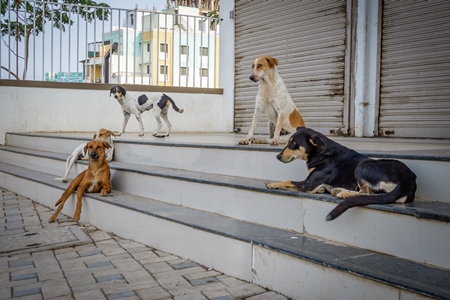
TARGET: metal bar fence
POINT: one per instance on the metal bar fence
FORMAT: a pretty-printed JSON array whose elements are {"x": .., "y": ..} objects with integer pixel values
[{"x": 45, "y": 41}]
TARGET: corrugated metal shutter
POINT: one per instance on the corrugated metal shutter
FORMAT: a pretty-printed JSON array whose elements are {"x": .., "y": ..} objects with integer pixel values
[
  {"x": 309, "y": 40},
  {"x": 415, "y": 69}
]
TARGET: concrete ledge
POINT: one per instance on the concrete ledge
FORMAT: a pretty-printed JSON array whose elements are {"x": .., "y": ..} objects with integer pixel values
[{"x": 107, "y": 86}]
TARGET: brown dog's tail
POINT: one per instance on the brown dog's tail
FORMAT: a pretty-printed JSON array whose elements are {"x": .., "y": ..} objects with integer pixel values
[
  {"x": 71, "y": 188},
  {"x": 365, "y": 199}
]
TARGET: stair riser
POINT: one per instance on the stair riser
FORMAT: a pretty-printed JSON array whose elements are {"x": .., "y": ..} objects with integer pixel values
[
  {"x": 399, "y": 235},
  {"x": 288, "y": 212},
  {"x": 58, "y": 145},
  {"x": 296, "y": 278},
  {"x": 301, "y": 279},
  {"x": 267, "y": 209}
]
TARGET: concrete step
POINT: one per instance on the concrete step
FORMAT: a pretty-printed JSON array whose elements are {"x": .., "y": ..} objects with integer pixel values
[
  {"x": 418, "y": 231},
  {"x": 219, "y": 154},
  {"x": 305, "y": 267}
]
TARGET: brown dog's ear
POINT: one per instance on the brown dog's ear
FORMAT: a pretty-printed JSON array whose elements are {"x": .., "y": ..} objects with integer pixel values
[
  {"x": 106, "y": 145},
  {"x": 272, "y": 61},
  {"x": 95, "y": 136},
  {"x": 111, "y": 132}
]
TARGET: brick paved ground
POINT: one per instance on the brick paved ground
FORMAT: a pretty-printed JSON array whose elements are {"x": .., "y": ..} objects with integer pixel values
[{"x": 108, "y": 268}]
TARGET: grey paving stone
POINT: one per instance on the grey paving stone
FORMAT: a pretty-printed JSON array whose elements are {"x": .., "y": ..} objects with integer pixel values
[
  {"x": 90, "y": 253},
  {"x": 26, "y": 292},
  {"x": 181, "y": 272},
  {"x": 109, "y": 278},
  {"x": 23, "y": 276},
  {"x": 16, "y": 264},
  {"x": 99, "y": 264},
  {"x": 121, "y": 295},
  {"x": 202, "y": 281},
  {"x": 11, "y": 221},
  {"x": 185, "y": 265}
]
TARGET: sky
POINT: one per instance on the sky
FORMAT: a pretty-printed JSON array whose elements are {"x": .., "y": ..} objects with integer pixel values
[
  {"x": 46, "y": 60},
  {"x": 130, "y": 4}
]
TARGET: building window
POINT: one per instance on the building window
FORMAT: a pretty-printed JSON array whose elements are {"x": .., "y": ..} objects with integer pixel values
[
  {"x": 183, "y": 71},
  {"x": 184, "y": 50},
  {"x": 148, "y": 69},
  {"x": 163, "y": 70},
  {"x": 163, "y": 48},
  {"x": 204, "y": 72},
  {"x": 202, "y": 25},
  {"x": 204, "y": 51},
  {"x": 148, "y": 47}
]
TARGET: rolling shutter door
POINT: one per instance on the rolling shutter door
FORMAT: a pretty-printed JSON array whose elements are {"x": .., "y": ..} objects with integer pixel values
[
  {"x": 415, "y": 69},
  {"x": 309, "y": 40}
]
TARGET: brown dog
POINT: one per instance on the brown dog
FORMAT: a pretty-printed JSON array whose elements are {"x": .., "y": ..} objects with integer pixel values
[{"x": 96, "y": 178}]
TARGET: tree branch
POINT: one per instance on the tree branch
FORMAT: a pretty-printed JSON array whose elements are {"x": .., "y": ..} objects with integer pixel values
[{"x": 10, "y": 72}]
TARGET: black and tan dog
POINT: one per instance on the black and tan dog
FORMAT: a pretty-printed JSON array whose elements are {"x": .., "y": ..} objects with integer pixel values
[
  {"x": 345, "y": 173},
  {"x": 96, "y": 178}
]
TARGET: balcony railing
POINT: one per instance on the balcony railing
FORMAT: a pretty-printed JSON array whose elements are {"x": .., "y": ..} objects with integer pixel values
[{"x": 50, "y": 41}]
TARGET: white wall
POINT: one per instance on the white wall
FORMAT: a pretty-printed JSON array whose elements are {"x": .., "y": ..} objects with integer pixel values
[
  {"x": 227, "y": 61},
  {"x": 30, "y": 109}
]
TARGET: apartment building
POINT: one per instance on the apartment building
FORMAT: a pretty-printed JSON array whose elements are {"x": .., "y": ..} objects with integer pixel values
[{"x": 176, "y": 47}]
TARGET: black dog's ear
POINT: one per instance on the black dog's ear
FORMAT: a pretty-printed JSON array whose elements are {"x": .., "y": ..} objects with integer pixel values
[
  {"x": 318, "y": 142},
  {"x": 124, "y": 91}
]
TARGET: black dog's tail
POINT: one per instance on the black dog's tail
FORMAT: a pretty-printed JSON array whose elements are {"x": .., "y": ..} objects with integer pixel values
[
  {"x": 365, "y": 199},
  {"x": 175, "y": 107}
]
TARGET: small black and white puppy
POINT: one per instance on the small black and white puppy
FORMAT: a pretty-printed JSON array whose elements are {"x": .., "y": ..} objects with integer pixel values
[
  {"x": 159, "y": 102},
  {"x": 345, "y": 173}
]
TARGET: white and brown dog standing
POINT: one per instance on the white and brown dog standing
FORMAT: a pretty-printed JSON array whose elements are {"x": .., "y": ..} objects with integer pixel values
[
  {"x": 80, "y": 152},
  {"x": 96, "y": 178},
  {"x": 274, "y": 100},
  {"x": 159, "y": 102}
]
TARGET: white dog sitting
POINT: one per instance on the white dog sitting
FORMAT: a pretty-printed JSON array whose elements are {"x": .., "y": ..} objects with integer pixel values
[
  {"x": 159, "y": 102},
  {"x": 274, "y": 100},
  {"x": 79, "y": 153}
]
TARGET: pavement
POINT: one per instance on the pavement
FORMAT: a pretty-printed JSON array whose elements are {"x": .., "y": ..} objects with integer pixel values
[{"x": 70, "y": 260}]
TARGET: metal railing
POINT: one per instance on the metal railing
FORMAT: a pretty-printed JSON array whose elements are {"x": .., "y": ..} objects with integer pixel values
[{"x": 50, "y": 41}]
